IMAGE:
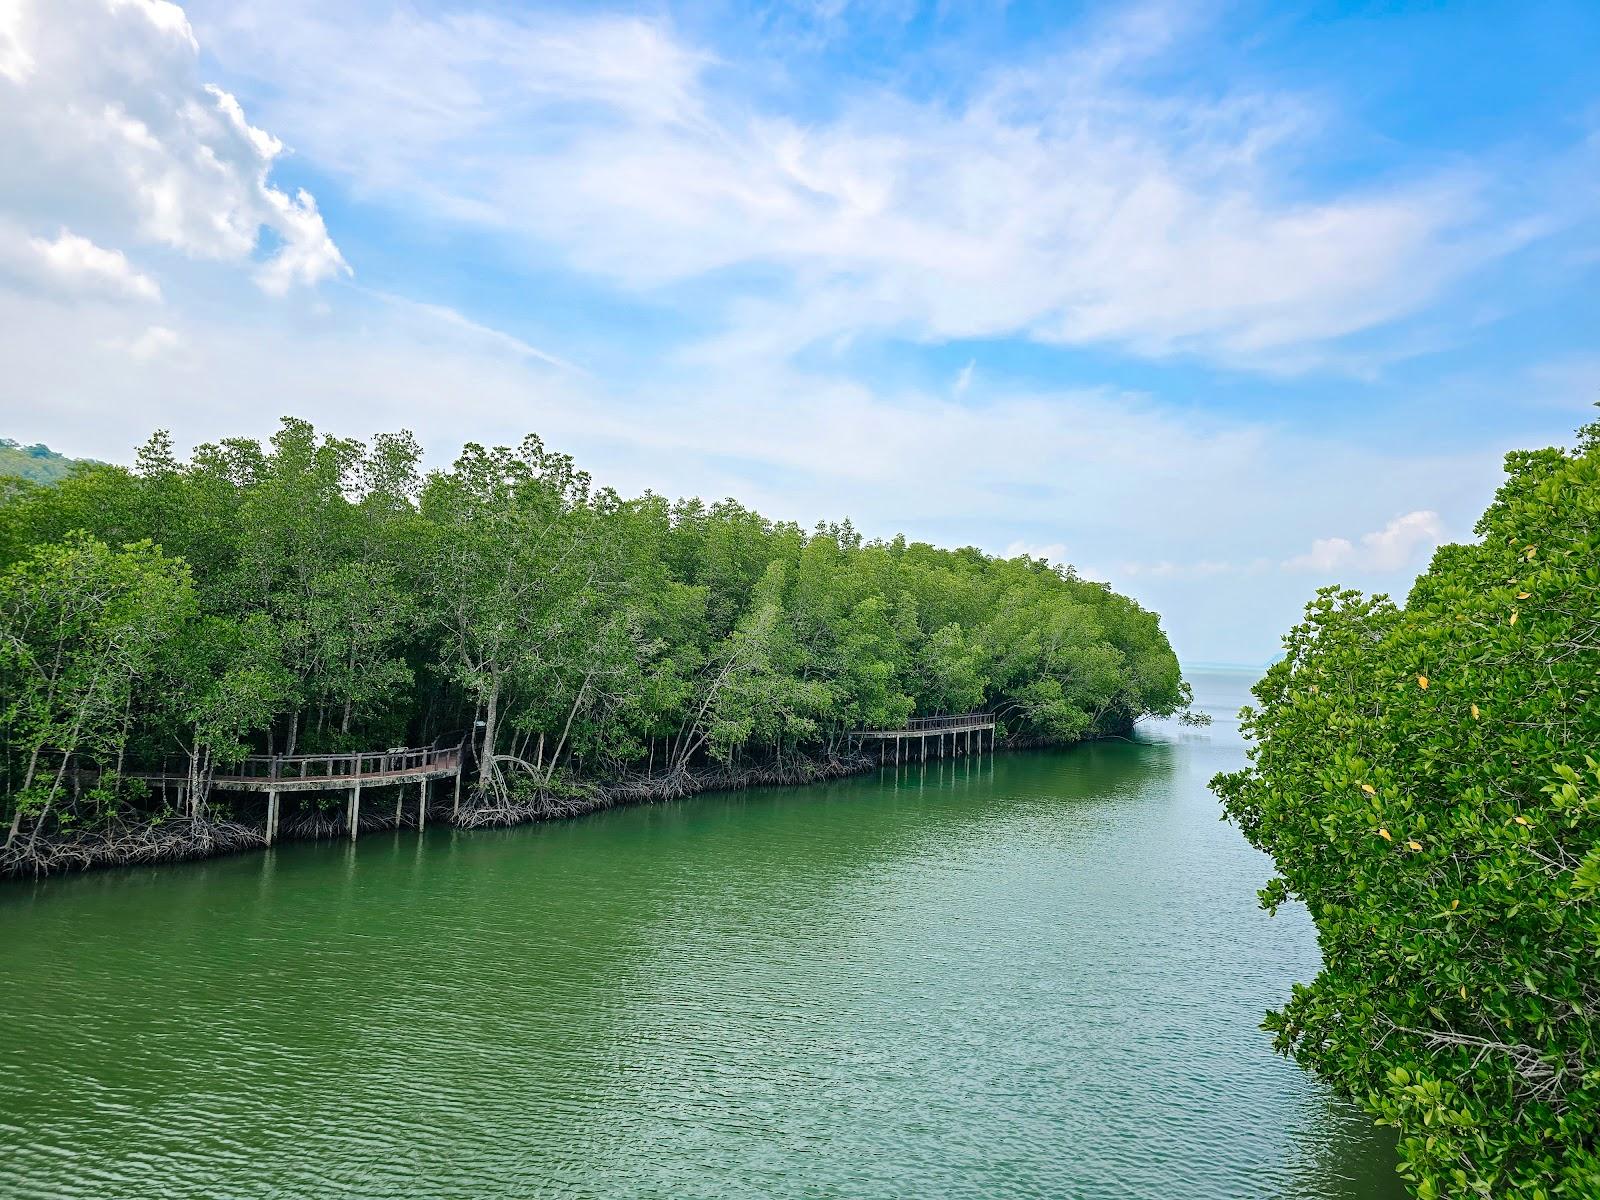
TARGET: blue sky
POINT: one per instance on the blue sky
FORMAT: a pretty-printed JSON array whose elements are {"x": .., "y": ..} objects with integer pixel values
[{"x": 1218, "y": 302}]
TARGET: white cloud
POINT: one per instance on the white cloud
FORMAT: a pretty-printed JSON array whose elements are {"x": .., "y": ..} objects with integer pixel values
[
  {"x": 166, "y": 16},
  {"x": 964, "y": 378},
  {"x": 16, "y": 64},
  {"x": 77, "y": 265},
  {"x": 154, "y": 342},
  {"x": 70, "y": 266},
  {"x": 110, "y": 129},
  {"x": 1391, "y": 548},
  {"x": 308, "y": 254},
  {"x": 146, "y": 345},
  {"x": 1052, "y": 200},
  {"x": 1326, "y": 554}
]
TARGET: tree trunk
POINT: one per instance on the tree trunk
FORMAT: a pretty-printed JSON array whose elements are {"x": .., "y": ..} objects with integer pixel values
[
  {"x": 344, "y": 721},
  {"x": 572, "y": 712},
  {"x": 122, "y": 742},
  {"x": 486, "y": 765},
  {"x": 44, "y": 812}
]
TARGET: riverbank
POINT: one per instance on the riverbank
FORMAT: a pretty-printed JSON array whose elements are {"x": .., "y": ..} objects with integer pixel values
[
  {"x": 182, "y": 839},
  {"x": 179, "y": 839}
]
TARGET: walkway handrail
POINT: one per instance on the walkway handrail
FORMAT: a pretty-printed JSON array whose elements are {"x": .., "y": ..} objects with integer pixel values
[
  {"x": 338, "y": 766},
  {"x": 928, "y": 726},
  {"x": 960, "y": 721}
]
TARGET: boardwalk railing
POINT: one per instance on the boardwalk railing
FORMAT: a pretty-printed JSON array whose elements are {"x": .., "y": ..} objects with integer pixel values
[
  {"x": 925, "y": 727},
  {"x": 973, "y": 720},
  {"x": 319, "y": 772},
  {"x": 955, "y": 735},
  {"x": 277, "y": 774},
  {"x": 294, "y": 767}
]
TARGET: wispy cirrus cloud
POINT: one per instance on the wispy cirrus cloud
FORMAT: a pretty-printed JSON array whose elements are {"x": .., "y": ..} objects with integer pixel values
[{"x": 1062, "y": 200}]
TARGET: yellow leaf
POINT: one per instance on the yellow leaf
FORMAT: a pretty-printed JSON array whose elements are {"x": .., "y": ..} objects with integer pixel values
[
  {"x": 1520, "y": 820},
  {"x": 1454, "y": 904},
  {"x": 1523, "y": 595},
  {"x": 1415, "y": 845},
  {"x": 1463, "y": 991},
  {"x": 1530, "y": 551},
  {"x": 1513, "y": 617},
  {"x": 1422, "y": 682},
  {"x": 1369, "y": 789},
  {"x": 1474, "y": 712},
  {"x": 1384, "y": 834}
]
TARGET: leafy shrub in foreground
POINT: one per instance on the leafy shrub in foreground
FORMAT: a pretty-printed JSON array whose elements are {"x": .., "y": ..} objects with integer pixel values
[{"x": 1427, "y": 781}]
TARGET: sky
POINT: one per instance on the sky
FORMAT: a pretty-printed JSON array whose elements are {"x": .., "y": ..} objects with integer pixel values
[{"x": 1217, "y": 302}]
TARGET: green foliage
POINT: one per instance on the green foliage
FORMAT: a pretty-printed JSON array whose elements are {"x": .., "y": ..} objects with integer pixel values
[
  {"x": 36, "y": 463},
  {"x": 1426, "y": 780},
  {"x": 326, "y": 596},
  {"x": 81, "y": 625}
]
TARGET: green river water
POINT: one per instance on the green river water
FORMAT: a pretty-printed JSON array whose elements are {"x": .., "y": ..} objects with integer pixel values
[{"x": 1033, "y": 975}]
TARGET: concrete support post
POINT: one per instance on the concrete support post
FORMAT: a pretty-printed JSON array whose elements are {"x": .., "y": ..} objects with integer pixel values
[
  {"x": 422, "y": 805},
  {"x": 355, "y": 809},
  {"x": 272, "y": 816}
]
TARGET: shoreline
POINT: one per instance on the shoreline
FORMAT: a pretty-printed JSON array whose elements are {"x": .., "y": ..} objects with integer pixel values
[{"x": 181, "y": 840}]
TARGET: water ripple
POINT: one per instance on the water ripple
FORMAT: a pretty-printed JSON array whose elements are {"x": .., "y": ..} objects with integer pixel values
[{"x": 1038, "y": 976}]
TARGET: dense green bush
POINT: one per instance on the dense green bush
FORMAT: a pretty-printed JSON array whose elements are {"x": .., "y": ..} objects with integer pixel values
[{"x": 1426, "y": 780}]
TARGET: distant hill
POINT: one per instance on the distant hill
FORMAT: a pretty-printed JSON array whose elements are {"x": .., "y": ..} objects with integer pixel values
[{"x": 38, "y": 463}]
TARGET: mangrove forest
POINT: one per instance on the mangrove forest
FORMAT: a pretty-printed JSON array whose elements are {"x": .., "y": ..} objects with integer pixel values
[{"x": 317, "y": 595}]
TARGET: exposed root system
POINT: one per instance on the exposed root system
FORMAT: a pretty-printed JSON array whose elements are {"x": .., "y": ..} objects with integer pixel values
[
  {"x": 169, "y": 841},
  {"x": 174, "y": 840},
  {"x": 640, "y": 789}
]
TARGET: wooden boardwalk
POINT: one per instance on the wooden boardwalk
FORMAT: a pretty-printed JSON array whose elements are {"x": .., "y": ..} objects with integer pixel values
[
  {"x": 275, "y": 774},
  {"x": 932, "y": 737}
]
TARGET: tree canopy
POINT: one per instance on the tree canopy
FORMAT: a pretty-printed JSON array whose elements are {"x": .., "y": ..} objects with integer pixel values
[
  {"x": 1426, "y": 779},
  {"x": 320, "y": 594}
]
